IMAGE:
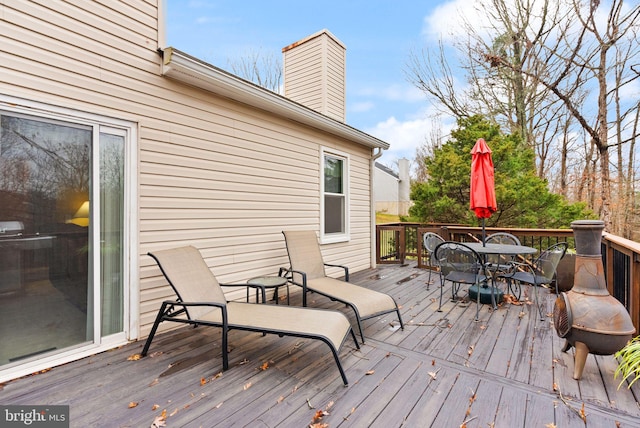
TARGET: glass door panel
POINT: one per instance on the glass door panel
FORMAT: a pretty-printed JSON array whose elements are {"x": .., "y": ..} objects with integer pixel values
[{"x": 44, "y": 236}]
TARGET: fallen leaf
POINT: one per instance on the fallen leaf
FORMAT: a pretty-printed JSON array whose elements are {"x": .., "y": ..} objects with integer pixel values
[
  {"x": 264, "y": 366},
  {"x": 470, "y": 350},
  {"x": 174, "y": 412},
  {"x": 134, "y": 357},
  {"x": 155, "y": 382},
  {"x": 550, "y": 425},
  {"x": 322, "y": 425},
  {"x": 155, "y": 407},
  {"x": 433, "y": 375},
  {"x": 158, "y": 422},
  {"x": 247, "y": 386},
  {"x": 217, "y": 375},
  {"x": 583, "y": 415},
  {"x": 370, "y": 372},
  {"x": 280, "y": 399},
  {"x": 133, "y": 404},
  {"x": 433, "y": 362},
  {"x": 318, "y": 416},
  {"x": 203, "y": 381},
  {"x": 219, "y": 404}
]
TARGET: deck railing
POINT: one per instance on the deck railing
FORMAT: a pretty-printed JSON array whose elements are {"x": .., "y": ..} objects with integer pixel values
[{"x": 399, "y": 242}]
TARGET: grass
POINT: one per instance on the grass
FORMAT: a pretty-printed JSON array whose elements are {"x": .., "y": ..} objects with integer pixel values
[{"x": 386, "y": 218}]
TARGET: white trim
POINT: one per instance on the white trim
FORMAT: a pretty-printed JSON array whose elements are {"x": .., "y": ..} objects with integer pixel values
[
  {"x": 162, "y": 24},
  {"x": 334, "y": 237},
  {"x": 187, "y": 69}
]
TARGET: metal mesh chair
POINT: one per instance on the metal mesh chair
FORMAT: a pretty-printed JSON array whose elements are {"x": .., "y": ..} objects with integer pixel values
[
  {"x": 459, "y": 264},
  {"x": 431, "y": 241},
  {"x": 501, "y": 264},
  {"x": 541, "y": 271}
]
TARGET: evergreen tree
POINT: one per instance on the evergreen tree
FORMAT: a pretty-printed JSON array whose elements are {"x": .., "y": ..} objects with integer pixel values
[{"x": 524, "y": 199}]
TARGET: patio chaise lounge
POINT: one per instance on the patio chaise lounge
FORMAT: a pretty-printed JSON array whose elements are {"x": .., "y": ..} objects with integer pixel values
[
  {"x": 201, "y": 301},
  {"x": 307, "y": 271}
]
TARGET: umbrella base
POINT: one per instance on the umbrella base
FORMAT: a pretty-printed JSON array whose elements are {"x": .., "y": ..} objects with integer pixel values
[{"x": 485, "y": 294}]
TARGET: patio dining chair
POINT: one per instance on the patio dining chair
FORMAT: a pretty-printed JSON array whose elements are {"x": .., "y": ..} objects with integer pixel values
[
  {"x": 201, "y": 301},
  {"x": 307, "y": 270},
  {"x": 459, "y": 265},
  {"x": 501, "y": 264},
  {"x": 430, "y": 242},
  {"x": 540, "y": 272}
]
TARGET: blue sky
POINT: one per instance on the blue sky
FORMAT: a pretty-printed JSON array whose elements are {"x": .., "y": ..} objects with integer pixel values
[{"x": 379, "y": 36}]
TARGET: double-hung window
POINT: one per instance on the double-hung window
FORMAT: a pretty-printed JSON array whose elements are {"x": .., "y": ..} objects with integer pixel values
[{"x": 334, "y": 203}]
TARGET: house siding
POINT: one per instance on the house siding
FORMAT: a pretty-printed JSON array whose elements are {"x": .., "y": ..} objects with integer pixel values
[{"x": 212, "y": 172}]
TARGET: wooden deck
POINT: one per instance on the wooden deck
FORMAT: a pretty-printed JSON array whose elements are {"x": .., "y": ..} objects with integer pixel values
[{"x": 443, "y": 370}]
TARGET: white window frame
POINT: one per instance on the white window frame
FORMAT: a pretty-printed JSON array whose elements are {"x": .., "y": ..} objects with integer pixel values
[
  {"x": 326, "y": 238},
  {"x": 131, "y": 291}
]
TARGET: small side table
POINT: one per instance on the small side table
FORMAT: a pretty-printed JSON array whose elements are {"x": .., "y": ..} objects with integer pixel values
[{"x": 264, "y": 282}]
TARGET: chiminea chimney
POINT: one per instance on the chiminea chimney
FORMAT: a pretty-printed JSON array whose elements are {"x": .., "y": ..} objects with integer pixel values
[{"x": 314, "y": 74}]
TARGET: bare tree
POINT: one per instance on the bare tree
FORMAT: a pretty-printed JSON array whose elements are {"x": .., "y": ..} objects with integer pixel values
[
  {"x": 540, "y": 72},
  {"x": 263, "y": 69}
]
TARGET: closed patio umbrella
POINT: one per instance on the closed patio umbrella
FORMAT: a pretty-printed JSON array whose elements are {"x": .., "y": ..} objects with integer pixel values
[{"x": 483, "y": 192}]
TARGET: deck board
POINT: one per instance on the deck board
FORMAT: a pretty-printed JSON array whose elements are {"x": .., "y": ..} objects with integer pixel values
[{"x": 425, "y": 375}]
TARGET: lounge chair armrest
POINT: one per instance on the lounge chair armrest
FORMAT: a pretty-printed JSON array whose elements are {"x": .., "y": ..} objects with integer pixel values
[
  {"x": 288, "y": 273},
  {"x": 175, "y": 303},
  {"x": 346, "y": 270}
]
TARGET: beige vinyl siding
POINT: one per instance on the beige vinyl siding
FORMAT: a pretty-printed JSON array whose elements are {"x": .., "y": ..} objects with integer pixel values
[{"x": 212, "y": 172}]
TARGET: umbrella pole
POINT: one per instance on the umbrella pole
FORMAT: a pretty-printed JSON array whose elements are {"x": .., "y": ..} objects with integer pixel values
[{"x": 484, "y": 233}]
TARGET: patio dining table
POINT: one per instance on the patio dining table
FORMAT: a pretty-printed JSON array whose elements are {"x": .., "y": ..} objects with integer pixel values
[{"x": 499, "y": 249}]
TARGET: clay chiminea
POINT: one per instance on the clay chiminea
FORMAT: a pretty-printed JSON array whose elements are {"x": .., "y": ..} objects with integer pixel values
[{"x": 587, "y": 316}]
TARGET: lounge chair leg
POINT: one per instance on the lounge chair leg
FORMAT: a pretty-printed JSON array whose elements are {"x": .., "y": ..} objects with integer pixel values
[
  {"x": 154, "y": 329},
  {"x": 355, "y": 339},
  {"x": 225, "y": 349},
  {"x": 360, "y": 328},
  {"x": 400, "y": 318}
]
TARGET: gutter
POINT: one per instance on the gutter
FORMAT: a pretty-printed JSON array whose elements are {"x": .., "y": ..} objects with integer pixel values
[
  {"x": 375, "y": 156},
  {"x": 182, "y": 67}
]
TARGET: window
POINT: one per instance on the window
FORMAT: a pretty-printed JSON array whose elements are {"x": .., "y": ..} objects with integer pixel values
[{"x": 334, "y": 203}]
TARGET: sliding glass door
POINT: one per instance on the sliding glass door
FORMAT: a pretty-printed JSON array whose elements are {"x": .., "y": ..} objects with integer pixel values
[{"x": 62, "y": 235}]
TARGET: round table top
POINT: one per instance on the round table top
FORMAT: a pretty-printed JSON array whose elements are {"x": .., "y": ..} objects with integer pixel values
[
  {"x": 268, "y": 281},
  {"x": 505, "y": 249}
]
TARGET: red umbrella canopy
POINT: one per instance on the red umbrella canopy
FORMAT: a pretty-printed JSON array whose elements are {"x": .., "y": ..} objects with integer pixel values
[{"x": 483, "y": 192}]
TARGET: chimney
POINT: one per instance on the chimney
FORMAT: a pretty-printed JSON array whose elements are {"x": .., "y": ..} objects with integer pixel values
[
  {"x": 314, "y": 74},
  {"x": 404, "y": 186}
]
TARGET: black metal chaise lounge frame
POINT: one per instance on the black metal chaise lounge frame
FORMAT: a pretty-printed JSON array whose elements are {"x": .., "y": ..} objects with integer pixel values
[{"x": 201, "y": 301}]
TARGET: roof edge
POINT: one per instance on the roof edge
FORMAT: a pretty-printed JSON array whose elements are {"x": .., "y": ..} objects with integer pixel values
[{"x": 192, "y": 71}]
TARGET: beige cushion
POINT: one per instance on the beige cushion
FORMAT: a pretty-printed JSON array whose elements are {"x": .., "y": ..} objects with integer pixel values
[{"x": 331, "y": 325}]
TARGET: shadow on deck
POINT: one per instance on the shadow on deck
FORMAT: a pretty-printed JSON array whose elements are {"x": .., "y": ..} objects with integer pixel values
[{"x": 443, "y": 370}]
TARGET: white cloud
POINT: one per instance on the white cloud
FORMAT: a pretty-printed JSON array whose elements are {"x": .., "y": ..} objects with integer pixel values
[
  {"x": 447, "y": 20},
  {"x": 361, "y": 107},
  {"x": 404, "y": 137}
]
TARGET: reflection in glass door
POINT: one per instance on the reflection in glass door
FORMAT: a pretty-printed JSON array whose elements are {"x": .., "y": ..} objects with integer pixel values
[{"x": 49, "y": 228}]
